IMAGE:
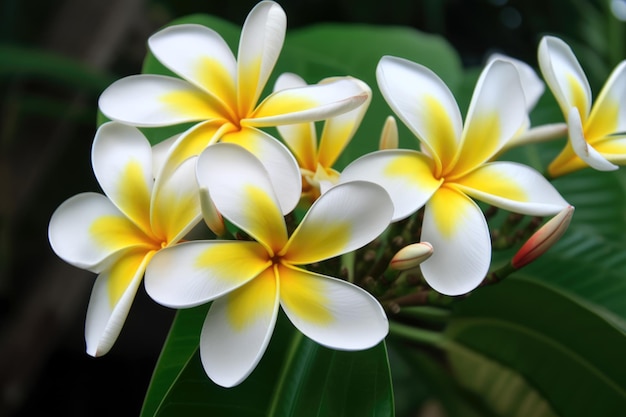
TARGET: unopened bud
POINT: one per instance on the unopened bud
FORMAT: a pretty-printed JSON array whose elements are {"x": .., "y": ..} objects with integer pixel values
[
  {"x": 389, "y": 135},
  {"x": 543, "y": 239},
  {"x": 411, "y": 256},
  {"x": 212, "y": 217}
]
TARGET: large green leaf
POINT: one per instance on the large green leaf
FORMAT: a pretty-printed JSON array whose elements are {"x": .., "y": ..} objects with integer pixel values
[
  {"x": 551, "y": 345},
  {"x": 296, "y": 377}
]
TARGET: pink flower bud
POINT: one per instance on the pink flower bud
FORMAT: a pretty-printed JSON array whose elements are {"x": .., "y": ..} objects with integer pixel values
[
  {"x": 543, "y": 239},
  {"x": 411, "y": 256}
]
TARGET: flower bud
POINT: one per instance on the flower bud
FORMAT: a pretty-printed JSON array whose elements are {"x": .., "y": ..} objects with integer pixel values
[
  {"x": 411, "y": 256},
  {"x": 389, "y": 135},
  {"x": 543, "y": 239}
]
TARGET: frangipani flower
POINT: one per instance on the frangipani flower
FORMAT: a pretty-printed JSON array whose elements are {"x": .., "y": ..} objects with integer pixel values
[
  {"x": 248, "y": 280},
  {"x": 116, "y": 235},
  {"x": 219, "y": 93},
  {"x": 454, "y": 166},
  {"x": 316, "y": 159},
  {"x": 597, "y": 134}
]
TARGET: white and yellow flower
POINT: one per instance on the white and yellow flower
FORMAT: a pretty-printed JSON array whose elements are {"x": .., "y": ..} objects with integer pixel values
[
  {"x": 454, "y": 166},
  {"x": 116, "y": 235},
  {"x": 249, "y": 280},
  {"x": 220, "y": 93},
  {"x": 597, "y": 134},
  {"x": 317, "y": 157}
]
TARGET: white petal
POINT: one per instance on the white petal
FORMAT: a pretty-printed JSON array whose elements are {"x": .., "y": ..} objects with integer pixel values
[
  {"x": 514, "y": 187},
  {"x": 155, "y": 100},
  {"x": 122, "y": 161},
  {"x": 309, "y": 103},
  {"x": 159, "y": 154},
  {"x": 531, "y": 83},
  {"x": 424, "y": 103},
  {"x": 194, "y": 273},
  {"x": 199, "y": 55},
  {"x": 339, "y": 130},
  {"x": 73, "y": 238},
  {"x": 260, "y": 44},
  {"x": 564, "y": 75},
  {"x": 106, "y": 314},
  {"x": 345, "y": 218},
  {"x": 580, "y": 146},
  {"x": 493, "y": 118},
  {"x": 608, "y": 115},
  {"x": 279, "y": 163},
  {"x": 242, "y": 191},
  {"x": 458, "y": 232},
  {"x": 405, "y": 175},
  {"x": 238, "y": 329},
  {"x": 332, "y": 312}
]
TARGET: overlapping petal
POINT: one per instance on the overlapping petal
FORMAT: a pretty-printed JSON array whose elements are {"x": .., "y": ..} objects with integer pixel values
[
  {"x": 238, "y": 328},
  {"x": 199, "y": 55},
  {"x": 531, "y": 83},
  {"x": 581, "y": 147},
  {"x": 155, "y": 100},
  {"x": 254, "y": 208},
  {"x": 279, "y": 163},
  {"x": 424, "y": 103},
  {"x": 122, "y": 162},
  {"x": 514, "y": 187},
  {"x": 193, "y": 273},
  {"x": 260, "y": 44},
  {"x": 564, "y": 75},
  {"x": 176, "y": 203},
  {"x": 493, "y": 118},
  {"x": 458, "y": 232},
  {"x": 88, "y": 231},
  {"x": 345, "y": 218},
  {"x": 332, "y": 312},
  {"x": 406, "y": 175},
  {"x": 111, "y": 298},
  {"x": 307, "y": 104}
]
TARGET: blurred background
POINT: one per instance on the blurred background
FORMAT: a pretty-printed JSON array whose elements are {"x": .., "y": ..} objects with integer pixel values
[{"x": 56, "y": 56}]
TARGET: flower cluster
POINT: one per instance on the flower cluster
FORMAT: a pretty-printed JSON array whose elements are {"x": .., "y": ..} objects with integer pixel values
[{"x": 279, "y": 214}]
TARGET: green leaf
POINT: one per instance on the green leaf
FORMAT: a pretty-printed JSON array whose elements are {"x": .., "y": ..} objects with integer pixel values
[
  {"x": 546, "y": 342},
  {"x": 296, "y": 377}
]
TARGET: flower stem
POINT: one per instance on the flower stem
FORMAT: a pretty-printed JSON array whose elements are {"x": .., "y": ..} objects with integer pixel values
[{"x": 421, "y": 336}]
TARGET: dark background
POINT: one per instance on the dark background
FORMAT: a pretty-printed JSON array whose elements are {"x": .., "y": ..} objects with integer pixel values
[{"x": 47, "y": 122}]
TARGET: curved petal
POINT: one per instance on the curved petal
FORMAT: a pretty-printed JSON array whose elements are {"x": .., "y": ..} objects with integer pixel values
[
  {"x": 260, "y": 44},
  {"x": 608, "y": 114},
  {"x": 332, "y": 312},
  {"x": 301, "y": 138},
  {"x": 424, "y": 103},
  {"x": 279, "y": 163},
  {"x": 514, "y": 187},
  {"x": 194, "y": 273},
  {"x": 406, "y": 175},
  {"x": 564, "y": 75},
  {"x": 122, "y": 161},
  {"x": 111, "y": 298},
  {"x": 580, "y": 146},
  {"x": 308, "y": 104},
  {"x": 160, "y": 152},
  {"x": 531, "y": 83},
  {"x": 493, "y": 118},
  {"x": 238, "y": 329},
  {"x": 87, "y": 230},
  {"x": 242, "y": 191},
  {"x": 176, "y": 203},
  {"x": 613, "y": 148},
  {"x": 155, "y": 100},
  {"x": 339, "y": 130},
  {"x": 345, "y": 218},
  {"x": 200, "y": 56},
  {"x": 458, "y": 232}
]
